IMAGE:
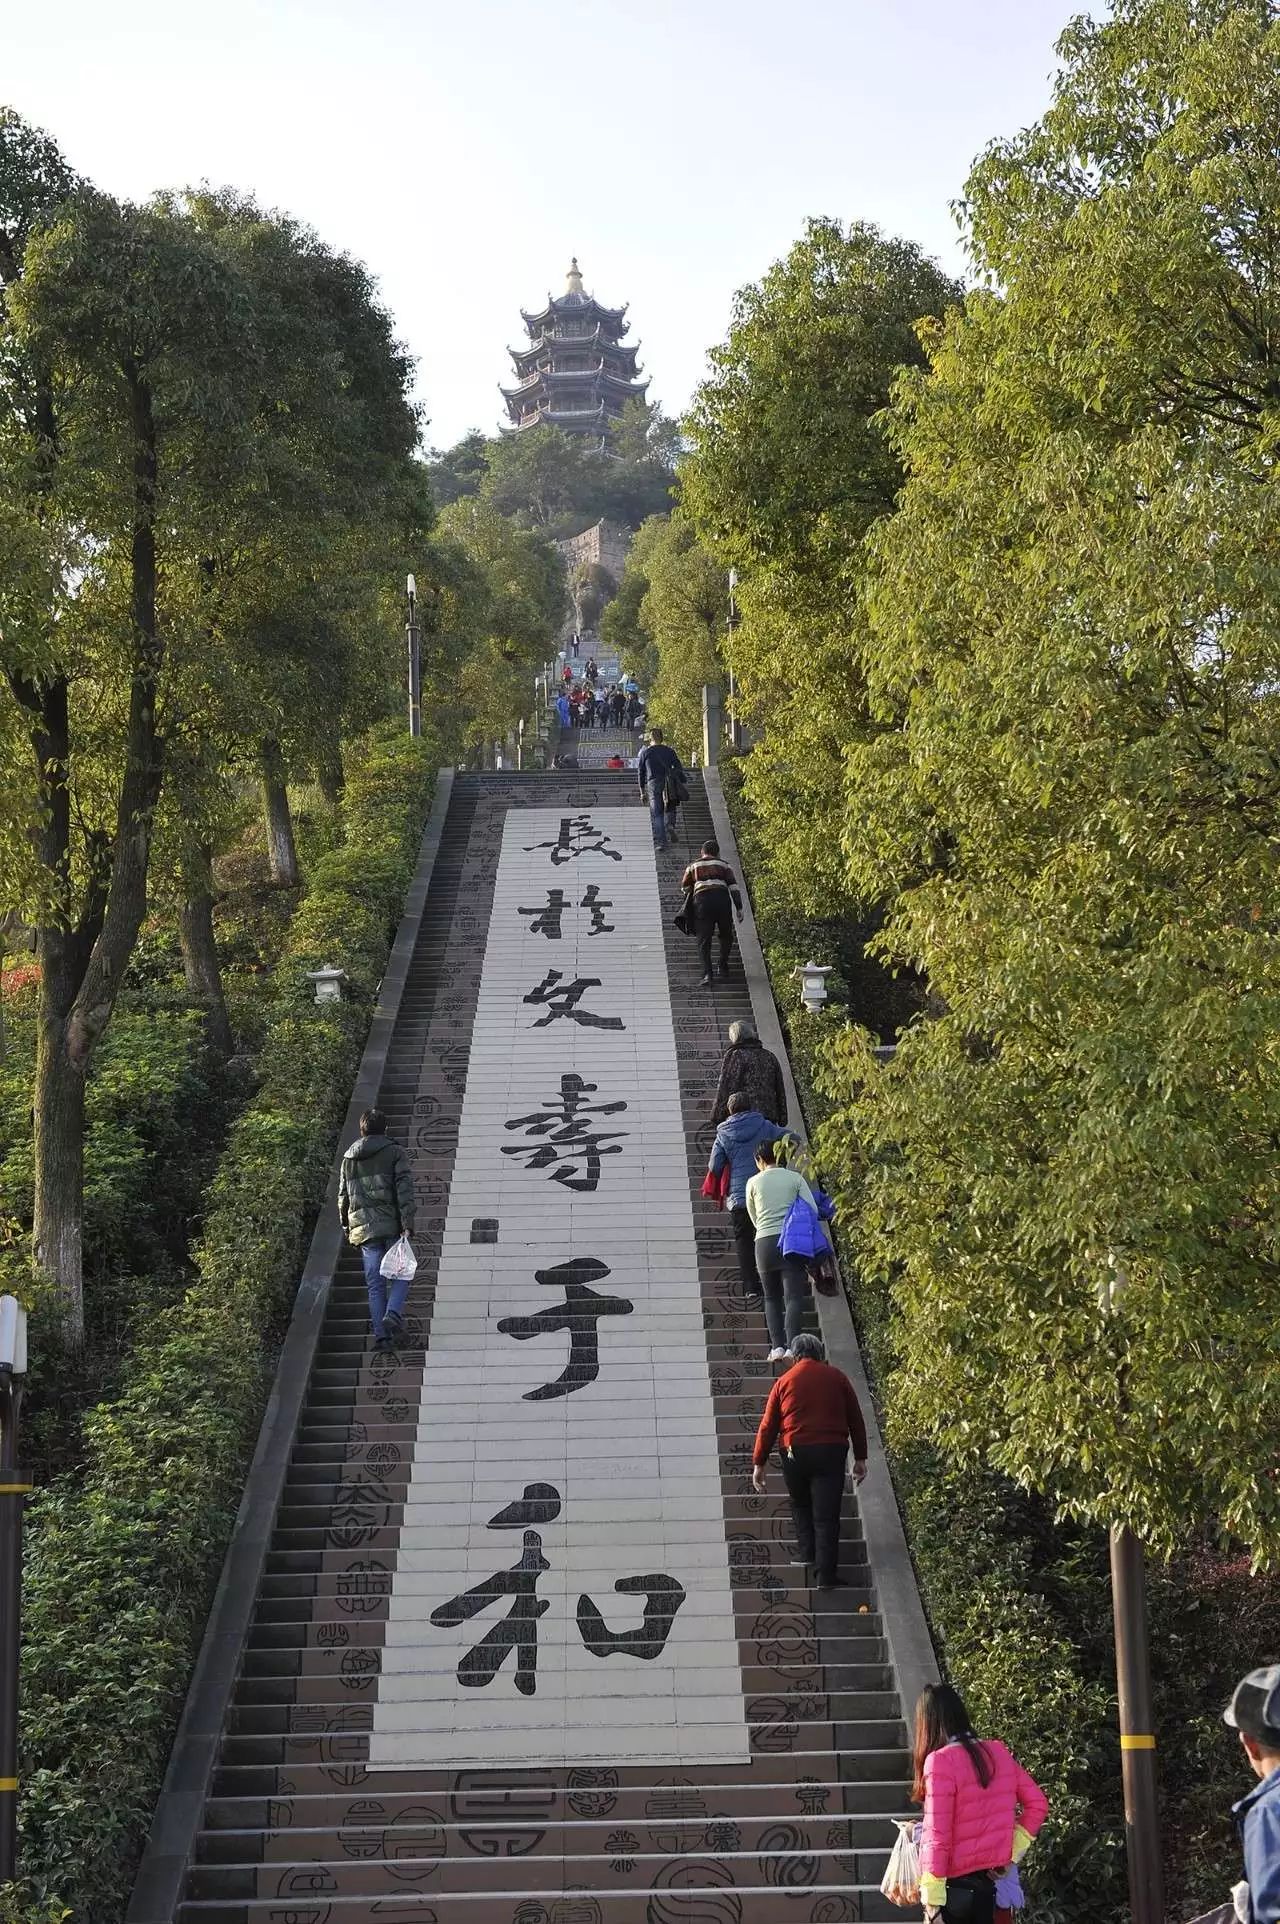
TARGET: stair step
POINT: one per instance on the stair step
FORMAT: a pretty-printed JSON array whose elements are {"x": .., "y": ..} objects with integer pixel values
[{"x": 761, "y": 1904}]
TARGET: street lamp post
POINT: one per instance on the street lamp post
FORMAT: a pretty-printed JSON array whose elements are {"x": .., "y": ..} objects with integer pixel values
[
  {"x": 735, "y": 733},
  {"x": 1137, "y": 1739},
  {"x": 1133, "y": 1680},
  {"x": 13, "y": 1490},
  {"x": 415, "y": 660}
]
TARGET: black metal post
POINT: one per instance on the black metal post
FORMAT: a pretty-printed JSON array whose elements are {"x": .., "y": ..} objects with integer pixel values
[
  {"x": 1137, "y": 1738},
  {"x": 13, "y": 1492},
  {"x": 415, "y": 669},
  {"x": 731, "y": 622}
]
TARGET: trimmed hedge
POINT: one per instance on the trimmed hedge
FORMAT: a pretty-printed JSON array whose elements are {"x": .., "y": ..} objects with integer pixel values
[{"x": 122, "y": 1559}]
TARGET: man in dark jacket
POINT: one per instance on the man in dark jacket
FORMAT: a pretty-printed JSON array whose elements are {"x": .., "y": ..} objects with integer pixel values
[
  {"x": 375, "y": 1206},
  {"x": 735, "y": 1146},
  {"x": 659, "y": 769},
  {"x": 748, "y": 1067}
]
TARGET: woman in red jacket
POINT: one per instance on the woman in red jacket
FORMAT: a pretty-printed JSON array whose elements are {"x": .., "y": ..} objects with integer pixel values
[{"x": 981, "y": 1811}]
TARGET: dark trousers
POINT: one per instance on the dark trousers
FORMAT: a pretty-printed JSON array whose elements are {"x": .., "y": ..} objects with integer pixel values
[
  {"x": 713, "y": 915},
  {"x": 785, "y": 1283},
  {"x": 814, "y": 1476},
  {"x": 744, "y": 1237},
  {"x": 971, "y": 1898}
]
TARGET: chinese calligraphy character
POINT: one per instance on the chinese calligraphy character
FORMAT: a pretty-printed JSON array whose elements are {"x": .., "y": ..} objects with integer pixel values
[
  {"x": 663, "y": 1597},
  {"x": 569, "y": 1141},
  {"x": 591, "y": 900},
  {"x": 547, "y": 921},
  {"x": 579, "y": 1313},
  {"x": 574, "y": 840},
  {"x": 563, "y": 1001},
  {"x": 518, "y": 1630}
]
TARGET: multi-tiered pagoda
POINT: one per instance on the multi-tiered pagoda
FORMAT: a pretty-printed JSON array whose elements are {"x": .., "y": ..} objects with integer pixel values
[{"x": 576, "y": 374}]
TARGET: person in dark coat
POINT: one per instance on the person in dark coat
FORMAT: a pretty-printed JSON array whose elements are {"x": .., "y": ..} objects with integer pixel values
[
  {"x": 375, "y": 1207},
  {"x": 657, "y": 770},
  {"x": 752, "y": 1070}
]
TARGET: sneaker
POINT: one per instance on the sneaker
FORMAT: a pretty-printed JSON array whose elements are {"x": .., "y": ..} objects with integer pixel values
[
  {"x": 723, "y": 971},
  {"x": 705, "y": 983},
  {"x": 382, "y": 1342},
  {"x": 754, "y": 1299},
  {"x": 777, "y": 1355},
  {"x": 393, "y": 1329}
]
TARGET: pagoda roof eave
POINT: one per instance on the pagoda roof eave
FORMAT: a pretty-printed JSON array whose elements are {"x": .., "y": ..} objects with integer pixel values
[{"x": 580, "y": 310}]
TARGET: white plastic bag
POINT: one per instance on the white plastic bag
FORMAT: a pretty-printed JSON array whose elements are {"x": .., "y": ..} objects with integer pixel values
[
  {"x": 399, "y": 1265},
  {"x": 901, "y": 1881}
]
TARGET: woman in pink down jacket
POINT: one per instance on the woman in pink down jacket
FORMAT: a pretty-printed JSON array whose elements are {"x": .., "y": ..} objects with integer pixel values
[{"x": 981, "y": 1811}]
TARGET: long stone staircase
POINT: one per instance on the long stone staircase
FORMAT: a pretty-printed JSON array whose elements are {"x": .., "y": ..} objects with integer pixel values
[{"x": 424, "y": 1729}]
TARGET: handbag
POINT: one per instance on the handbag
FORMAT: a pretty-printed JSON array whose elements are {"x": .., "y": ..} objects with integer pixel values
[
  {"x": 683, "y": 921},
  {"x": 399, "y": 1265},
  {"x": 901, "y": 1881},
  {"x": 824, "y": 1275},
  {"x": 676, "y": 791}
]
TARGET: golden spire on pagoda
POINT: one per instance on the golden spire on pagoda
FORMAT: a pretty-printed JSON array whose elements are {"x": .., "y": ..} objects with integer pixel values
[{"x": 573, "y": 280}]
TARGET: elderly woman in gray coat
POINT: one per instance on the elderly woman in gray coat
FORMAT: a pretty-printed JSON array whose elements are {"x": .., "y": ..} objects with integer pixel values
[{"x": 750, "y": 1069}]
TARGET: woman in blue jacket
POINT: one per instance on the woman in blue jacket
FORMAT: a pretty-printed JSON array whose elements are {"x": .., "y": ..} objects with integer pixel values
[{"x": 734, "y": 1148}]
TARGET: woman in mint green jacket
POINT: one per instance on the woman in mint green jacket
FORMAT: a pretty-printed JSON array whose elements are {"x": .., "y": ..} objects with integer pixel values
[{"x": 785, "y": 1283}]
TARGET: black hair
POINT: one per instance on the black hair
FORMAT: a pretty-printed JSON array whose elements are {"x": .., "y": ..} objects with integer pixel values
[
  {"x": 373, "y": 1123},
  {"x": 940, "y": 1717}
]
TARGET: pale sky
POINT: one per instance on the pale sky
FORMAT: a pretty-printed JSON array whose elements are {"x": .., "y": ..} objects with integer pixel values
[{"x": 464, "y": 151}]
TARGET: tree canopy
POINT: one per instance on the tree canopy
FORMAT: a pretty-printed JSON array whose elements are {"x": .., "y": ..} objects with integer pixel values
[
  {"x": 561, "y": 483},
  {"x": 1071, "y": 800},
  {"x": 788, "y": 469}
]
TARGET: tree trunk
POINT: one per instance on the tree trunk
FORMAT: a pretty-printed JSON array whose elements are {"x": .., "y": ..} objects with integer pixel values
[
  {"x": 82, "y": 962},
  {"x": 59, "y": 1202},
  {"x": 282, "y": 852},
  {"x": 329, "y": 772},
  {"x": 200, "y": 951}
]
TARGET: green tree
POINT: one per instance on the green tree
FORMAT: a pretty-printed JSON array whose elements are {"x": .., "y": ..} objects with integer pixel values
[
  {"x": 637, "y": 478},
  {"x": 621, "y": 626},
  {"x": 512, "y": 605},
  {"x": 459, "y": 470},
  {"x": 1072, "y": 804},
  {"x": 294, "y": 572},
  {"x": 788, "y": 470},
  {"x": 667, "y": 621},
  {"x": 142, "y": 340},
  {"x": 542, "y": 478}
]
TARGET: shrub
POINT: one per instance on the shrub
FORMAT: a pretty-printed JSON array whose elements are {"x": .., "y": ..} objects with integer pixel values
[{"x": 122, "y": 1559}]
